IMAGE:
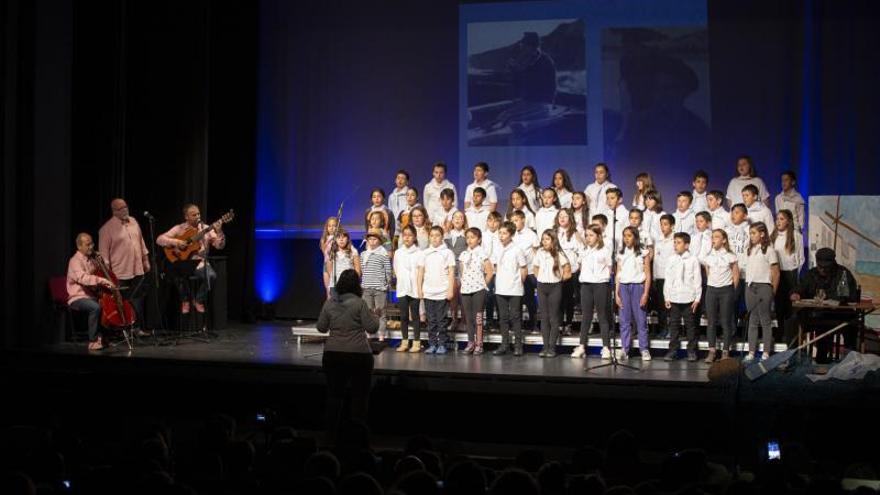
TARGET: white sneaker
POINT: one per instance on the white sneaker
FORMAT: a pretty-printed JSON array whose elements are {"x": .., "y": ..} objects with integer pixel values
[
  {"x": 765, "y": 356},
  {"x": 578, "y": 352},
  {"x": 646, "y": 355},
  {"x": 622, "y": 355},
  {"x": 606, "y": 353},
  {"x": 749, "y": 357}
]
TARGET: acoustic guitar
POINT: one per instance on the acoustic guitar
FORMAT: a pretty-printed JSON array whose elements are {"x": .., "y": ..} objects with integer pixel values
[{"x": 193, "y": 238}]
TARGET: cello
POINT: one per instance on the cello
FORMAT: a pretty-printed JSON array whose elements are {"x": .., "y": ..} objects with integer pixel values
[{"x": 116, "y": 312}]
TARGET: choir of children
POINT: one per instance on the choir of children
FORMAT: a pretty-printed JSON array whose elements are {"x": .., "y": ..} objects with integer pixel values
[{"x": 558, "y": 248}]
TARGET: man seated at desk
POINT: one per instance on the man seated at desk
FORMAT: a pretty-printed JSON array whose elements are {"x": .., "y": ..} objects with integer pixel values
[{"x": 826, "y": 276}]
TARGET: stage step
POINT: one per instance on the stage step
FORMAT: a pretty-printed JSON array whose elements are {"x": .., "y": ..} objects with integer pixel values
[{"x": 594, "y": 341}]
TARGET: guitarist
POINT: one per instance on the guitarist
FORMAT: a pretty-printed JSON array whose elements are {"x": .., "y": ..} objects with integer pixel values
[
  {"x": 203, "y": 271},
  {"x": 81, "y": 282}
]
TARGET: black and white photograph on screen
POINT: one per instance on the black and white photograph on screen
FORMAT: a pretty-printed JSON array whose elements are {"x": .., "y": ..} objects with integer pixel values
[
  {"x": 656, "y": 106},
  {"x": 527, "y": 83}
]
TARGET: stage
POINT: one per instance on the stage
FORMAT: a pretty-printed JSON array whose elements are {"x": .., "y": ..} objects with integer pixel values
[{"x": 279, "y": 353}]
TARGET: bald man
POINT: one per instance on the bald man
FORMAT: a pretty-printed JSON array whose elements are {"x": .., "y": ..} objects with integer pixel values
[
  {"x": 81, "y": 284},
  {"x": 122, "y": 246}
]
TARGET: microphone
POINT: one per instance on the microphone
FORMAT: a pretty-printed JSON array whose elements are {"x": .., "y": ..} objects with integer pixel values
[{"x": 148, "y": 215}]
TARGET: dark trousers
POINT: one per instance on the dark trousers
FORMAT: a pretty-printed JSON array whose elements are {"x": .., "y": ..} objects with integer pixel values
[
  {"x": 658, "y": 304},
  {"x": 719, "y": 306},
  {"x": 90, "y": 306},
  {"x": 472, "y": 305},
  {"x": 510, "y": 317},
  {"x": 788, "y": 280},
  {"x": 530, "y": 284},
  {"x": 677, "y": 313},
  {"x": 570, "y": 298},
  {"x": 409, "y": 312},
  {"x": 759, "y": 298},
  {"x": 549, "y": 300},
  {"x": 596, "y": 297},
  {"x": 349, "y": 375},
  {"x": 204, "y": 277},
  {"x": 490, "y": 300},
  {"x": 436, "y": 313}
]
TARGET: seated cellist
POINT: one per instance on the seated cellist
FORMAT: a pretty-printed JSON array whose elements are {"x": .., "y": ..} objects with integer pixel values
[{"x": 81, "y": 282}]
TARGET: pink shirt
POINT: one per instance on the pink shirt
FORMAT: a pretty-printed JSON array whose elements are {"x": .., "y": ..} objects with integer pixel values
[
  {"x": 168, "y": 239},
  {"x": 81, "y": 278},
  {"x": 122, "y": 246}
]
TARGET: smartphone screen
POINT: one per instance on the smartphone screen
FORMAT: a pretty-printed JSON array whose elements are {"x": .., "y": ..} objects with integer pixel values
[{"x": 773, "y": 451}]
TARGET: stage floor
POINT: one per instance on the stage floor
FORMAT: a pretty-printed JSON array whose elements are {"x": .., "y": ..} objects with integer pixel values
[{"x": 276, "y": 353}]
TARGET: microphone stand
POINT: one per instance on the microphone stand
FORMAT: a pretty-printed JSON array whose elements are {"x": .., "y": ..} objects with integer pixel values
[
  {"x": 615, "y": 363},
  {"x": 155, "y": 268},
  {"x": 333, "y": 263}
]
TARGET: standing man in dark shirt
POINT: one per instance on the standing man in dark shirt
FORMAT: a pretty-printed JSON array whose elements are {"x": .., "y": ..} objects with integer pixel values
[
  {"x": 533, "y": 75},
  {"x": 534, "y": 72},
  {"x": 826, "y": 276}
]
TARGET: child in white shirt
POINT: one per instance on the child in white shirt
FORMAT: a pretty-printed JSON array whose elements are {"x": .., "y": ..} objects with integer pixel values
[
  {"x": 571, "y": 242},
  {"x": 664, "y": 248},
  {"x": 789, "y": 246},
  {"x": 443, "y": 216},
  {"x": 477, "y": 212},
  {"x": 653, "y": 212},
  {"x": 405, "y": 271},
  {"x": 701, "y": 184},
  {"x": 762, "y": 281},
  {"x": 476, "y": 272},
  {"x": 757, "y": 211},
  {"x": 722, "y": 279},
  {"x": 790, "y": 199},
  {"x": 633, "y": 280},
  {"x": 481, "y": 180},
  {"x": 720, "y": 216},
  {"x": 563, "y": 186},
  {"x": 547, "y": 213},
  {"x": 435, "y": 283},
  {"x": 684, "y": 214},
  {"x": 618, "y": 215},
  {"x": 551, "y": 267},
  {"x": 594, "y": 260},
  {"x": 684, "y": 285},
  {"x": 510, "y": 276},
  {"x": 526, "y": 239},
  {"x": 595, "y": 192}
]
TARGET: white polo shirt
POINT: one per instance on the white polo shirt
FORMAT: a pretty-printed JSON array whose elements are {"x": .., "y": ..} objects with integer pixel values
[
  {"x": 719, "y": 267},
  {"x": 651, "y": 221},
  {"x": 758, "y": 265},
  {"x": 544, "y": 219},
  {"x": 406, "y": 263},
  {"x": 664, "y": 249},
  {"x": 527, "y": 239},
  {"x": 631, "y": 266},
  {"x": 700, "y": 203},
  {"x": 701, "y": 243},
  {"x": 533, "y": 195},
  {"x": 397, "y": 203},
  {"x": 595, "y": 264},
  {"x": 720, "y": 218},
  {"x": 760, "y": 213},
  {"x": 736, "y": 185},
  {"x": 622, "y": 216},
  {"x": 491, "y": 192},
  {"x": 738, "y": 238},
  {"x": 508, "y": 281},
  {"x": 570, "y": 246},
  {"x": 441, "y": 216},
  {"x": 543, "y": 266},
  {"x": 530, "y": 217},
  {"x": 431, "y": 195},
  {"x": 436, "y": 262},
  {"x": 794, "y": 202},
  {"x": 491, "y": 245},
  {"x": 473, "y": 277},
  {"x": 476, "y": 217},
  {"x": 789, "y": 261},
  {"x": 684, "y": 281},
  {"x": 595, "y": 194},
  {"x": 684, "y": 221},
  {"x": 564, "y": 197}
]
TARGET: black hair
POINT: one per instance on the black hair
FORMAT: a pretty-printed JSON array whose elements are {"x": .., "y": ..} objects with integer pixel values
[{"x": 349, "y": 283}]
